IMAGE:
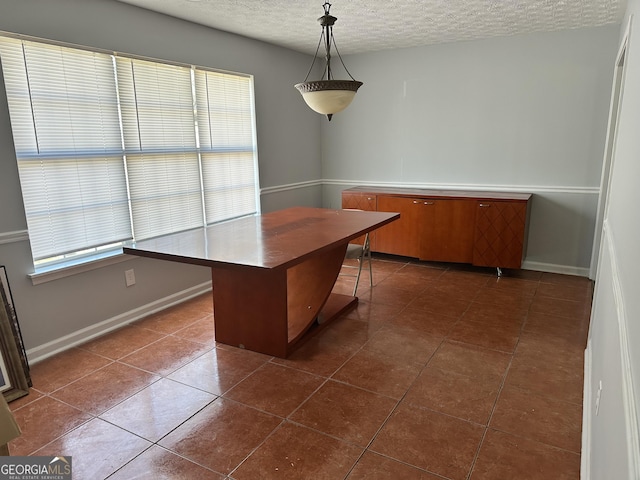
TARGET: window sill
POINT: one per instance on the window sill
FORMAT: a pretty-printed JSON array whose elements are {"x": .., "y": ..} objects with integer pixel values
[{"x": 67, "y": 269}]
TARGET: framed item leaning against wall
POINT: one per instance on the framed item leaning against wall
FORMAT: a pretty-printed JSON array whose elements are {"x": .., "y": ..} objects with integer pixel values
[{"x": 14, "y": 368}]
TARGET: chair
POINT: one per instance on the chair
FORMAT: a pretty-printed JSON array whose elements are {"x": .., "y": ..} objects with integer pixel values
[{"x": 361, "y": 253}]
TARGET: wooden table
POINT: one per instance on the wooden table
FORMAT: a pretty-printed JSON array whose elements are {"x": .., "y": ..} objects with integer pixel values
[{"x": 272, "y": 274}]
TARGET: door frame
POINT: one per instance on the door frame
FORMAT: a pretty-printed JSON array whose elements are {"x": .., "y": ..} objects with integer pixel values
[{"x": 617, "y": 90}]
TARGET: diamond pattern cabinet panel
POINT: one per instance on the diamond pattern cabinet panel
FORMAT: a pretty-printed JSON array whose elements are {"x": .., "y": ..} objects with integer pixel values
[
  {"x": 361, "y": 201},
  {"x": 499, "y": 234}
]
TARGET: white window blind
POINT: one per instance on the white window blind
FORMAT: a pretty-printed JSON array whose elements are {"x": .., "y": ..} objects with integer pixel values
[
  {"x": 112, "y": 148},
  {"x": 225, "y": 126},
  {"x": 160, "y": 143},
  {"x": 64, "y": 116}
]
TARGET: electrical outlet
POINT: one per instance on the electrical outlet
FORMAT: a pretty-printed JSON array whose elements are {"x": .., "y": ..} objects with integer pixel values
[{"x": 130, "y": 277}]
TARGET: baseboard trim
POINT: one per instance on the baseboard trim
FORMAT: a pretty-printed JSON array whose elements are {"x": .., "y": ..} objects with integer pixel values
[
  {"x": 42, "y": 352},
  {"x": 555, "y": 268}
]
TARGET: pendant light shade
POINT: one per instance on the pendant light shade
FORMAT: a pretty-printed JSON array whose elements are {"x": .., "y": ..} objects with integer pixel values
[{"x": 327, "y": 95}]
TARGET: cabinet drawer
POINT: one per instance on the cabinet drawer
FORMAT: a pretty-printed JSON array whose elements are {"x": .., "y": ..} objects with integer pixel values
[{"x": 359, "y": 201}]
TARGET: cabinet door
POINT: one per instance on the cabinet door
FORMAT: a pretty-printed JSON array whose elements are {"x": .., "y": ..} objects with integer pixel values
[
  {"x": 400, "y": 237},
  {"x": 499, "y": 234},
  {"x": 447, "y": 230}
]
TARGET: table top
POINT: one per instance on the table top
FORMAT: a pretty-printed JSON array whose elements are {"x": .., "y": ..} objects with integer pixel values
[{"x": 273, "y": 240}]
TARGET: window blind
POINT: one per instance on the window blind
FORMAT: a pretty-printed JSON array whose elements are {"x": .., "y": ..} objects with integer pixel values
[
  {"x": 160, "y": 146},
  {"x": 227, "y": 144},
  {"x": 112, "y": 148},
  {"x": 64, "y": 116}
]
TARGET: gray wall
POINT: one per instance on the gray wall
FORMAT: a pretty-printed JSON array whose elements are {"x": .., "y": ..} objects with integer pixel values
[
  {"x": 521, "y": 113},
  {"x": 58, "y": 313},
  {"x": 611, "y": 427}
]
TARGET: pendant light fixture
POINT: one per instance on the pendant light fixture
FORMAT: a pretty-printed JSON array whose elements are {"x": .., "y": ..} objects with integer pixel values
[{"x": 327, "y": 95}]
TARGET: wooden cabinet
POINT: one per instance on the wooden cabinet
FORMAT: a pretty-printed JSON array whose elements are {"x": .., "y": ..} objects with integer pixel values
[
  {"x": 361, "y": 201},
  {"x": 499, "y": 234},
  {"x": 481, "y": 228}
]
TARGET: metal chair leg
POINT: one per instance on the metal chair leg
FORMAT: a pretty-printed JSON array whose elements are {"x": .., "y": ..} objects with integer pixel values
[
  {"x": 355, "y": 287},
  {"x": 366, "y": 251}
]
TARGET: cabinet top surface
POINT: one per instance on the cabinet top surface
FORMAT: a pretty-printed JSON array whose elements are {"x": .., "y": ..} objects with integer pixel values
[{"x": 440, "y": 193}]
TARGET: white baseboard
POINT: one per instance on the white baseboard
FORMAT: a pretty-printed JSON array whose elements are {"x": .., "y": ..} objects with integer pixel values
[
  {"x": 555, "y": 268},
  {"x": 66, "y": 342}
]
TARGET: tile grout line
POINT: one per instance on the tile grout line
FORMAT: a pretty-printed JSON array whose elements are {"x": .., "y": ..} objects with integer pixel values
[
  {"x": 395, "y": 408},
  {"x": 499, "y": 393}
]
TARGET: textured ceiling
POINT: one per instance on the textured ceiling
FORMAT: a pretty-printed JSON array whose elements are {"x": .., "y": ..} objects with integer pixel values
[{"x": 365, "y": 26}]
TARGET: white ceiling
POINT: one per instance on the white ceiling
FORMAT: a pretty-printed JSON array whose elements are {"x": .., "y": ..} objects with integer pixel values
[{"x": 365, "y": 26}]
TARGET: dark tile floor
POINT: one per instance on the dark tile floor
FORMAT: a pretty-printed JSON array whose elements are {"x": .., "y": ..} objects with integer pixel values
[{"x": 441, "y": 372}]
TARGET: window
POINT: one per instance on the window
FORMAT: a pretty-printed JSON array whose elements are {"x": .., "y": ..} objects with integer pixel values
[{"x": 112, "y": 148}]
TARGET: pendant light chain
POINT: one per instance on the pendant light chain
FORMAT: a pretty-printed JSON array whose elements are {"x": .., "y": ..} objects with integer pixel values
[{"x": 328, "y": 96}]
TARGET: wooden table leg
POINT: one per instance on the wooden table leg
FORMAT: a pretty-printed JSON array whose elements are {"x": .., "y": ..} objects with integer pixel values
[
  {"x": 270, "y": 311},
  {"x": 309, "y": 285},
  {"x": 250, "y": 309}
]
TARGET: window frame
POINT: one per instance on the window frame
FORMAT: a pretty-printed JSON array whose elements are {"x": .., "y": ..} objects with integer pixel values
[{"x": 98, "y": 255}]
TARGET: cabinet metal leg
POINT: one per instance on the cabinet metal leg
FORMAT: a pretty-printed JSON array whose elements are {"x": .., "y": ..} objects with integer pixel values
[{"x": 499, "y": 271}]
